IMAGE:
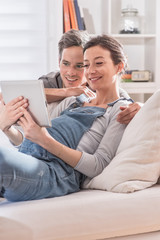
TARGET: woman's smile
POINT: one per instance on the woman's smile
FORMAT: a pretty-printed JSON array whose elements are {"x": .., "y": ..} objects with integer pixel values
[{"x": 94, "y": 79}]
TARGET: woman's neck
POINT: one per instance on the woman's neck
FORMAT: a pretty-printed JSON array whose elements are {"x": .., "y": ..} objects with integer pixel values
[{"x": 105, "y": 97}]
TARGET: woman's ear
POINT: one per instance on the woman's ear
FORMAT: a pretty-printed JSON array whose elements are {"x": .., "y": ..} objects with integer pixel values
[{"x": 120, "y": 67}]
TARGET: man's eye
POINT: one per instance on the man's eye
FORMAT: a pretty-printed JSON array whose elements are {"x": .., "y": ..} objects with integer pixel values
[
  {"x": 79, "y": 66},
  {"x": 66, "y": 63}
]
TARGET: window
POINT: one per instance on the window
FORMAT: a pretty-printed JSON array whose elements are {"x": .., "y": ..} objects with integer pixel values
[{"x": 23, "y": 39}]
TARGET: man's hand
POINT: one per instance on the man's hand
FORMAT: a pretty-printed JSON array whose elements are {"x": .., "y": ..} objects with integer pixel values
[
  {"x": 128, "y": 112},
  {"x": 76, "y": 91}
]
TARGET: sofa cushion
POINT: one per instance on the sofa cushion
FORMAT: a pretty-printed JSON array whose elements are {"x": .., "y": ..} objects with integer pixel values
[
  {"x": 137, "y": 162},
  {"x": 87, "y": 215}
]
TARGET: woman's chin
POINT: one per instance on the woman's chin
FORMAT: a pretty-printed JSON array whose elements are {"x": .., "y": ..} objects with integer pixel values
[{"x": 93, "y": 87}]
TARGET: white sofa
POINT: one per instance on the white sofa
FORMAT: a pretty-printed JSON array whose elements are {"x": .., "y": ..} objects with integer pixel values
[
  {"x": 110, "y": 207},
  {"x": 86, "y": 215}
]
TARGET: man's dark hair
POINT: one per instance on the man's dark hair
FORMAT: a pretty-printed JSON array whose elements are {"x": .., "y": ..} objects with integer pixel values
[{"x": 72, "y": 38}]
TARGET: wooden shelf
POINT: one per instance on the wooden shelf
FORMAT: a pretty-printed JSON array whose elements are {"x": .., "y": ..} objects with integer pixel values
[
  {"x": 139, "y": 87},
  {"x": 137, "y": 36}
]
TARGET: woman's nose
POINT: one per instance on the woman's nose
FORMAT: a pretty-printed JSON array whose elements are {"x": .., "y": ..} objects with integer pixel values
[{"x": 91, "y": 69}]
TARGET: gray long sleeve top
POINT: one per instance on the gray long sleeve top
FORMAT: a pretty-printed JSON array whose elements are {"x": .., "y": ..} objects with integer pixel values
[{"x": 100, "y": 143}]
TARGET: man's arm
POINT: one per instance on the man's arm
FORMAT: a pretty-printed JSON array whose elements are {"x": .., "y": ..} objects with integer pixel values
[
  {"x": 127, "y": 113},
  {"x": 58, "y": 94}
]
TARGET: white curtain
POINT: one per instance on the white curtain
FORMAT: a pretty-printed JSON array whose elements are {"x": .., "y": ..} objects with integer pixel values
[{"x": 23, "y": 39}]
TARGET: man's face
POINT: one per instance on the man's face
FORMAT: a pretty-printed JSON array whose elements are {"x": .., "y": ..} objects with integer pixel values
[{"x": 71, "y": 66}]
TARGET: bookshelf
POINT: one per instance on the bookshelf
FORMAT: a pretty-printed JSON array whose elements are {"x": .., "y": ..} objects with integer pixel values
[{"x": 142, "y": 50}]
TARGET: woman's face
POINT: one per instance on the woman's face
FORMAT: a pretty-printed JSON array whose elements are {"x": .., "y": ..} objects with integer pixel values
[
  {"x": 71, "y": 66},
  {"x": 99, "y": 68}
]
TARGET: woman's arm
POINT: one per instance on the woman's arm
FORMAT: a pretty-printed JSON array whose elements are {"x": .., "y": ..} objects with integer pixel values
[
  {"x": 40, "y": 135},
  {"x": 9, "y": 114},
  {"x": 99, "y": 154},
  {"x": 89, "y": 164},
  {"x": 14, "y": 135},
  {"x": 68, "y": 155}
]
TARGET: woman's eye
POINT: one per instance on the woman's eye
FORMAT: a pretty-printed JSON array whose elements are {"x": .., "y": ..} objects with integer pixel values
[
  {"x": 86, "y": 65},
  {"x": 99, "y": 63}
]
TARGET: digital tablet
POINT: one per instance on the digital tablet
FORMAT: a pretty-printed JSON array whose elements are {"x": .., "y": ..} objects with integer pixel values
[{"x": 33, "y": 90}]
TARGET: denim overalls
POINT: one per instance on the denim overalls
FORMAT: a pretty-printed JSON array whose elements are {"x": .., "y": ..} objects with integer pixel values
[{"x": 54, "y": 177}]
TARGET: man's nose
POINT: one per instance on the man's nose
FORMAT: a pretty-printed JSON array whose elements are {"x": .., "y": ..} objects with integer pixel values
[{"x": 72, "y": 71}]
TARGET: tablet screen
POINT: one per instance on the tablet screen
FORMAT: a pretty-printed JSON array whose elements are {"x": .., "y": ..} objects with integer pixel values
[{"x": 33, "y": 90}]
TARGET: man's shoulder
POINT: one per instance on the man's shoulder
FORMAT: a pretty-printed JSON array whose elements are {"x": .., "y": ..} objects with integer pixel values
[
  {"x": 52, "y": 80},
  {"x": 51, "y": 75}
]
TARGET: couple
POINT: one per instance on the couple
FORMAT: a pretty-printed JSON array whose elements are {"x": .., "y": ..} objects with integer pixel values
[
  {"x": 70, "y": 81},
  {"x": 83, "y": 138}
]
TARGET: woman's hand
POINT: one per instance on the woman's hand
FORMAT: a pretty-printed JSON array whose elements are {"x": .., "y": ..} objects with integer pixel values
[
  {"x": 11, "y": 112},
  {"x": 32, "y": 130}
]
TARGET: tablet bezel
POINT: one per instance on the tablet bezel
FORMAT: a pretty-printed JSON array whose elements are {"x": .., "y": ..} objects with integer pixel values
[{"x": 33, "y": 90}]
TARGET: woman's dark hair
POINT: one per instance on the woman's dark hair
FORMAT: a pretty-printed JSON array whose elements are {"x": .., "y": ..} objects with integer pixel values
[
  {"x": 112, "y": 45},
  {"x": 72, "y": 38}
]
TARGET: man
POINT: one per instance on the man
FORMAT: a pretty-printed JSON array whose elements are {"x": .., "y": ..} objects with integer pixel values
[{"x": 69, "y": 80}]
